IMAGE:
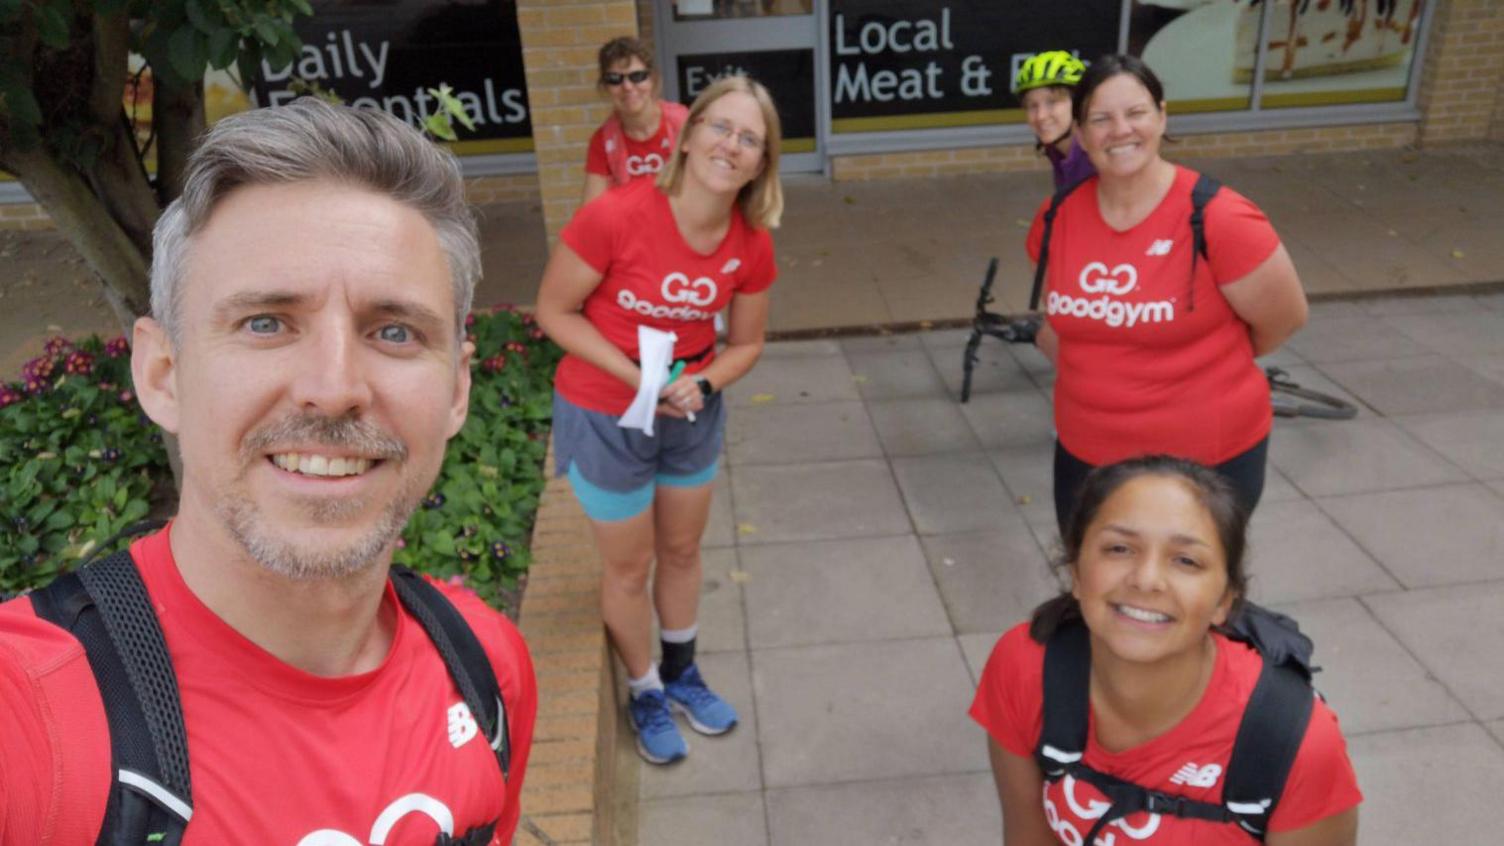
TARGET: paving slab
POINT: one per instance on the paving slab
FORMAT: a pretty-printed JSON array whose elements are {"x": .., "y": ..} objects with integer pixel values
[
  {"x": 1011, "y": 419},
  {"x": 1367, "y": 676},
  {"x": 727, "y": 819},
  {"x": 1296, "y": 552},
  {"x": 840, "y": 591},
  {"x": 1324, "y": 458},
  {"x": 1472, "y": 440},
  {"x": 997, "y": 369},
  {"x": 801, "y": 432},
  {"x": 721, "y": 529},
  {"x": 1351, "y": 337},
  {"x": 977, "y": 648},
  {"x": 896, "y": 374},
  {"x": 1428, "y": 785},
  {"x": 1417, "y": 385},
  {"x": 957, "y": 810},
  {"x": 990, "y": 580},
  {"x": 838, "y": 499},
  {"x": 1428, "y": 536},
  {"x": 722, "y": 624},
  {"x": 1455, "y": 335},
  {"x": 1029, "y": 475},
  {"x": 921, "y": 426},
  {"x": 955, "y": 492},
  {"x": 838, "y": 713},
  {"x": 726, "y": 763},
  {"x": 1455, "y": 633},
  {"x": 794, "y": 379}
]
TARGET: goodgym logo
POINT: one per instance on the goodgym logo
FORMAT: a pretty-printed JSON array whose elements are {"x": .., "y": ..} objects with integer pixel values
[
  {"x": 1108, "y": 284},
  {"x": 1097, "y": 279}
]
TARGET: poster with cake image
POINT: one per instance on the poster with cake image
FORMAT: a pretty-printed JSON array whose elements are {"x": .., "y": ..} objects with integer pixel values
[{"x": 1318, "y": 52}]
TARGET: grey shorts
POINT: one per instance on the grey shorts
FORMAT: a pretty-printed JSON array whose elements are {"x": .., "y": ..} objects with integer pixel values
[{"x": 614, "y": 471}]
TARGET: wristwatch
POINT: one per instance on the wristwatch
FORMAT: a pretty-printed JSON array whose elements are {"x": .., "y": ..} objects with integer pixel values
[{"x": 706, "y": 389}]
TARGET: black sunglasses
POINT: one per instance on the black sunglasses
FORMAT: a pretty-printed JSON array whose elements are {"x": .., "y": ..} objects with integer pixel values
[{"x": 637, "y": 77}]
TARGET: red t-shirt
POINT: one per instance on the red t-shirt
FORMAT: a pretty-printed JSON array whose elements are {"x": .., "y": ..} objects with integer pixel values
[
  {"x": 644, "y": 158},
  {"x": 1139, "y": 371},
  {"x": 1188, "y": 760},
  {"x": 275, "y": 753},
  {"x": 651, "y": 276}
]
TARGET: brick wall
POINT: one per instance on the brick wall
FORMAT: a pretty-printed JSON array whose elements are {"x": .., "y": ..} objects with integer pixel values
[
  {"x": 513, "y": 188},
  {"x": 566, "y": 798},
  {"x": 560, "y": 39},
  {"x": 1464, "y": 69},
  {"x": 1022, "y": 156},
  {"x": 645, "y": 21},
  {"x": 24, "y": 216}
]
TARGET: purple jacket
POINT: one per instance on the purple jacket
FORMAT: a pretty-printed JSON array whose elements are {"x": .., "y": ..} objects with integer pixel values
[{"x": 1071, "y": 168}]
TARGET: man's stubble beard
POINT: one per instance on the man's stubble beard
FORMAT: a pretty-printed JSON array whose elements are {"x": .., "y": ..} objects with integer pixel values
[{"x": 285, "y": 556}]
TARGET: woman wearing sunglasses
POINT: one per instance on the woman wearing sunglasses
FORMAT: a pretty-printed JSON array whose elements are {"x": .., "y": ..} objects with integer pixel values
[
  {"x": 668, "y": 254},
  {"x": 635, "y": 141}
]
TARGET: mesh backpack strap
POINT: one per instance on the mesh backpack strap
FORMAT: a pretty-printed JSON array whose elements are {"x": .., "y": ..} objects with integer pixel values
[
  {"x": 1044, "y": 241},
  {"x": 463, "y": 656},
  {"x": 1067, "y": 677},
  {"x": 1202, "y": 193},
  {"x": 105, "y": 606},
  {"x": 1269, "y": 735}
]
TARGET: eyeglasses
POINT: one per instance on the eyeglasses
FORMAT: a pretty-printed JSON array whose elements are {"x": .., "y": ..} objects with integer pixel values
[
  {"x": 637, "y": 77},
  {"x": 747, "y": 139}
]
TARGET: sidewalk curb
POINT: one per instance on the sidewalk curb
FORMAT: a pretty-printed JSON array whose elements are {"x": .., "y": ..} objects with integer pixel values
[{"x": 566, "y": 798}]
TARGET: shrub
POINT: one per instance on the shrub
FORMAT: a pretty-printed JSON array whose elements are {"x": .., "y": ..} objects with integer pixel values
[{"x": 80, "y": 461}]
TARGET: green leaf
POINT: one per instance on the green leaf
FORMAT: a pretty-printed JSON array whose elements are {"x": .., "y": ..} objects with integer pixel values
[
  {"x": 9, "y": 10},
  {"x": 224, "y": 47},
  {"x": 302, "y": 6},
  {"x": 20, "y": 105},
  {"x": 52, "y": 26},
  {"x": 437, "y": 125},
  {"x": 188, "y": 53},
  {"x": 267, "y": 31}
]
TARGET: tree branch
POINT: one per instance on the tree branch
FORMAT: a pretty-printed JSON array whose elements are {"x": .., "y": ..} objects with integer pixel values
[
  {"x": 117, "y": 176},
  {"x": 178, "y": 116}
]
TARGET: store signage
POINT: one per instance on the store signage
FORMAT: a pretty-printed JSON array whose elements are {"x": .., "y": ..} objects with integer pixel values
[
  {"x": 387, "y": 55},
  {"x": 788, "y": 74},
  {"x": 910, "y": 64}
]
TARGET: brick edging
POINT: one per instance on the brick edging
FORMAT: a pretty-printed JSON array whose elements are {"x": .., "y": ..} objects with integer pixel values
[{"x": 566, "y": 797}]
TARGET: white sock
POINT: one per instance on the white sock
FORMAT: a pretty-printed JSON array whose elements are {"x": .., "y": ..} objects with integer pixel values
[
  {"x": 648, "y": 681},
  {"x": 679, "y": 635}
]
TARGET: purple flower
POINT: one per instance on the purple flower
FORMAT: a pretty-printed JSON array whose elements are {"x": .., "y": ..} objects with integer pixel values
[
  {"x": 79, "y": 363},
  {"x": 500, "y": 551},
  {"x": 57, "y": 345},
  {"x": 38, "y": 368},
  {"x": 9, "y": 395},
  {"x": 117, "y": 347}
]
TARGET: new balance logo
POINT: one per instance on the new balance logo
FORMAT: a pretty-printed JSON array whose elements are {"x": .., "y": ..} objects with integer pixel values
[
  {"x": 1160, "y": 247},
  {"x": 462, "y": 725},
  {"x": 1191, "y": 776}
]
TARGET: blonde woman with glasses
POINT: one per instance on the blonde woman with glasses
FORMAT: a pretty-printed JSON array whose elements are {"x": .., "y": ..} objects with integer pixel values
[{"x": 668, "y": 254}]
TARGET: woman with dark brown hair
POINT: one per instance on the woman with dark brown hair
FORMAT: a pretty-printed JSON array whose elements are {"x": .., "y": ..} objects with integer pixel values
[{"x": 637, "y": 139}]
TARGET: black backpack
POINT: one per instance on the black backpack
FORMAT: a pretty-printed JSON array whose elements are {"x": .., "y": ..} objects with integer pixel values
[
  {"x": 1202, "y": 192},
  {"x": 1269, "y": 735},
  {"x": 105, "y": 606}
]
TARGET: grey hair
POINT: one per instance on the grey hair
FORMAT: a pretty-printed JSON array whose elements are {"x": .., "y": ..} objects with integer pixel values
[{"x": 311, "y": 139}]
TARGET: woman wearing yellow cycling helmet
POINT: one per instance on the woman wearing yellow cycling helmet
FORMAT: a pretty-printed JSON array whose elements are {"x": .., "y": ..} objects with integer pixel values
[{"x": 1044, "y": 86}]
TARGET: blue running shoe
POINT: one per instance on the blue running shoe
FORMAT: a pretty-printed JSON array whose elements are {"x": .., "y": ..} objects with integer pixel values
[
  {"x": 707, "y": 712},
  {"x": 658, "y": 739}
]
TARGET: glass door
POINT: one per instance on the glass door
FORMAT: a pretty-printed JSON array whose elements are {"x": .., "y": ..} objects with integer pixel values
[{"x": 773, "y": 41}]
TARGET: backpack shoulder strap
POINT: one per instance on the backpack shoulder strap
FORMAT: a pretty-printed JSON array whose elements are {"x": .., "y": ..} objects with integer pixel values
[
  {"x": 1269, "y": 736},
  {"x": 105, "y": 606},
  {"x": 1044, "y": 241},
  {"x": 463, "y": 656},
  {"x": 1202, "y": 192},
  {"x": 1067, "y": 677}
]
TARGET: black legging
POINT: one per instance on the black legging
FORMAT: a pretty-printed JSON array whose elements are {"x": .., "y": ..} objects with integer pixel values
[{"x": 1244, "y": 471}]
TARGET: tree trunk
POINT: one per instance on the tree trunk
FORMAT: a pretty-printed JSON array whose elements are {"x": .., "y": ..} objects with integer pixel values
[
  {"x": 84, "y": 220},
  {"x": 178, "y": 115}
]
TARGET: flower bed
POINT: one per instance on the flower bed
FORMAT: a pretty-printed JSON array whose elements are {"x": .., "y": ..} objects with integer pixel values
[{"x": 80, "y": 461}]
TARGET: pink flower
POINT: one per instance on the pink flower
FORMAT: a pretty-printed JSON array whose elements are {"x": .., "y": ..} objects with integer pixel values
[
  {"x": 79, "y": 363},
  {"x": 470, "y": 319},
  {"x": 494, "y": 364},
  {"x": 10, "y": 396},
  {"x": 57, "y": 345},
  {"x": 117, "y": 347},
  {"x": 126, "y": 396}
]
